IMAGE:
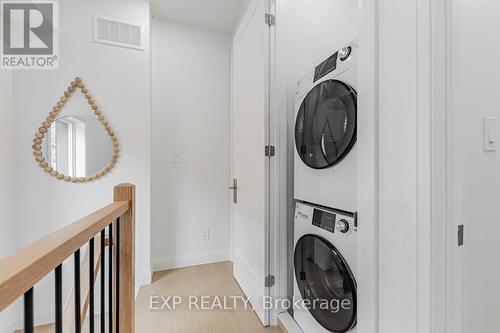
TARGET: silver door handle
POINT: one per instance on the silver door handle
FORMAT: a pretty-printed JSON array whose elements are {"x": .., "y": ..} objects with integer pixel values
[{"x": 235, "y": 190}]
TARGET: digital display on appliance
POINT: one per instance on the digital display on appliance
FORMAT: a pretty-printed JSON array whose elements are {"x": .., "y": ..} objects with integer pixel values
[
  {"x": 324, "y": 220},
  {"x": 326, "y": 67}
]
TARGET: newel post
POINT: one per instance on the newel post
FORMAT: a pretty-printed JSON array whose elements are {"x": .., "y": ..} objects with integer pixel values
[{"x": 126, "y": 192}]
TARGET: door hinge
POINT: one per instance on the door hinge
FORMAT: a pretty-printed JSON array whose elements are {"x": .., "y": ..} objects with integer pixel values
[
  {"x": 270, "y": 19},
  {"x": 270, "y": 151},
  {"x": 269, "y": 281},
  {"x": 460, "y": 235}
]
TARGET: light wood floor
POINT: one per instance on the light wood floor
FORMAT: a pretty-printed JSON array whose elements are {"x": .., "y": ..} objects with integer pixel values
[{"x": 211, "y": 280}]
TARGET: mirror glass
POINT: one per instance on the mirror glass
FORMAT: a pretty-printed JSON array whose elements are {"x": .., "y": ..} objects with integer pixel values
[{"x": 77, "y": 146}]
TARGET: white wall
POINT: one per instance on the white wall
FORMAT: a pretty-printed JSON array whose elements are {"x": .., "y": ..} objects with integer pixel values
[
  {"x": 475, "y": 174},
  {"x": 6, "y": 189},
  {"x": 306, "y": 35},
  {"x": 119, "y": 79},
  {"x": 191, "y": 85},
  {"x": 6, "y": 185}
]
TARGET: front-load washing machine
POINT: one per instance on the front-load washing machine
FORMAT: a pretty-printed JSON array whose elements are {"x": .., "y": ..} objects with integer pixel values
[
  {"x": 325, "y": 269},
  {"x": 325, "y": 132}
]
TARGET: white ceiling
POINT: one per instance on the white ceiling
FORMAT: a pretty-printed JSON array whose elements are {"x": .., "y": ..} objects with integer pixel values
[{"x": 220, "y": 15}]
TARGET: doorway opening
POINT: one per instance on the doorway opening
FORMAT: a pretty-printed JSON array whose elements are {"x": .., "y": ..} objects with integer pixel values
[{"x": 212, "y": 166}]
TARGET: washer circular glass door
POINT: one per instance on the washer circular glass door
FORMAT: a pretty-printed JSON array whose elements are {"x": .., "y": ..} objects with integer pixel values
[
  {"x": 325, "y": 280},
  {"x": 325, "y": 128}
]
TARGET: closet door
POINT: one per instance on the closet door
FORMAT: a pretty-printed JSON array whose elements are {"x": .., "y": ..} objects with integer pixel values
[{"x": 250, "y": 166}]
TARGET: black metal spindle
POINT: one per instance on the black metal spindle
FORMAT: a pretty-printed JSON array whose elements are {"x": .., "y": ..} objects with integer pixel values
[
  {"x": 59, "y": 300},
  {"x": 103, "y": 282},
  {"x": 91, "y": 286},
  {"x": 117, "y": 249},
  {"x": 78, "y": 319},
  {"x": 110, "y": 282},
  {"x": 29, "y": 324}
]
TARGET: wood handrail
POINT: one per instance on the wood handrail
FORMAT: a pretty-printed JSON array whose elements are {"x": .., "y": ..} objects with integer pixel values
[{"x": 23, "y": 269}]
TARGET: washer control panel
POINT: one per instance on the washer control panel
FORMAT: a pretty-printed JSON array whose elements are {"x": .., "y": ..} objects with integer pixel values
[{"x": 334, "y": 221}]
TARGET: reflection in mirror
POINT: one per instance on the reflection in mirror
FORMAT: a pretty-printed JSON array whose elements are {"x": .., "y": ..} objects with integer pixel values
[{"x": 77, "y": 146}]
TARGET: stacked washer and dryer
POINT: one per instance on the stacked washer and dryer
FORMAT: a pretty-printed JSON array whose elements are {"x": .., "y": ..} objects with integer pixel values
[{"x": 325, "y": 193}]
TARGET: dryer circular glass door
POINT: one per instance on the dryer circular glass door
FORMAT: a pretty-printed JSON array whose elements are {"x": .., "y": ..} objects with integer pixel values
[
  {"x": 325, "y": 128},
  {"x": 326, "y": 281}
]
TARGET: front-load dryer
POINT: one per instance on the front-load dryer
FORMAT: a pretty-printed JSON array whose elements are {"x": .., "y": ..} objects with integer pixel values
[
  {"x": 325, "y": 270},
  {"x": 325, "y": 132}
]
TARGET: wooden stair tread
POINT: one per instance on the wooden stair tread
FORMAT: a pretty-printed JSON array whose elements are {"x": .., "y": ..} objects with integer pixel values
[{"x": 49, "y": 328}]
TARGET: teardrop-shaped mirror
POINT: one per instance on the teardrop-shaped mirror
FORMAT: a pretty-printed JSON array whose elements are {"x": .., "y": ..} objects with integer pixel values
[{"x": 76, "y": 146}]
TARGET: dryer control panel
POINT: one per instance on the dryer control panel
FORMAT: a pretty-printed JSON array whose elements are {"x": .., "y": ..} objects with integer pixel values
[{"x": 333, "y": 221}]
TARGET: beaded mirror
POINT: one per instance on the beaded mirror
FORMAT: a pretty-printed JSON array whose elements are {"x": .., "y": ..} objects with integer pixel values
[{"x": 76, "y": 145}]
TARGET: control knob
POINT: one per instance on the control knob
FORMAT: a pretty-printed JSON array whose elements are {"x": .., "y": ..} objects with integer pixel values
[{"x": 343, "y": 226}]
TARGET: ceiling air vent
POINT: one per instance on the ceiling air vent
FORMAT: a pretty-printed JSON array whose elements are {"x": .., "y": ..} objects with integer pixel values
[{"x": 117, "y": 33}]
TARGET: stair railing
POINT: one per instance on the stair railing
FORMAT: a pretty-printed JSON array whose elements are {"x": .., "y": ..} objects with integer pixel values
[{"x": 20, "y": 271}]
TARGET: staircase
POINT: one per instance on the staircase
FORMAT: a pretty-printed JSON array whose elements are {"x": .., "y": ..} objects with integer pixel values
[{"x": 20, "y": 272}]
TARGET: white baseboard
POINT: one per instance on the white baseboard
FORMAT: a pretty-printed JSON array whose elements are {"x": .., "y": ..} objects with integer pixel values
[
  {"x": 145, "y": 280},
  {"x": 146, "y": 277},
  {"x": 190, "y": 259}
]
